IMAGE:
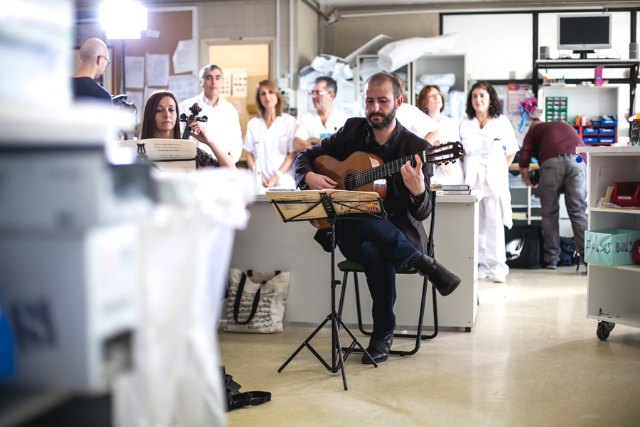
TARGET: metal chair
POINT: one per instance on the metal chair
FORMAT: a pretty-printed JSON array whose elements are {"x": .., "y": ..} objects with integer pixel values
[{"x": 349, "y": 266}]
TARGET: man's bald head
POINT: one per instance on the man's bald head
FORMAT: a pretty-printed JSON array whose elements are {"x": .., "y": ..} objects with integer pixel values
[
  {"x": 92, "y": 48},
  {"x": 94, "y": 57}
]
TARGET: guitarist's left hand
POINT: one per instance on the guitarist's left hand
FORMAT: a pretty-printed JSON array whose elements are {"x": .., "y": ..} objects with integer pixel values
[{"x": 413, "y": 177}]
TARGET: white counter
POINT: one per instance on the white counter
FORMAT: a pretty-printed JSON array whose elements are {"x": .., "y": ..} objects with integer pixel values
[{"x": 268, "y": 244}]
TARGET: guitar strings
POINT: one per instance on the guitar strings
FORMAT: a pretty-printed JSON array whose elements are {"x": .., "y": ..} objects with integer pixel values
[{"x": 437, "y": 154}]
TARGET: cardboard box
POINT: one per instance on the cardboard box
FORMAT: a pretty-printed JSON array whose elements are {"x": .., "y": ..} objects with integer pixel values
[{"x": 612, "y": 246}]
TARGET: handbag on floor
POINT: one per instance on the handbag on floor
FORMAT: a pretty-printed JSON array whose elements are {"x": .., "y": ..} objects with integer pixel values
[
  {"x": 255, "y": 301},
  {"x": 236, "y": 399},
  {"x": 523, "y": 244}
]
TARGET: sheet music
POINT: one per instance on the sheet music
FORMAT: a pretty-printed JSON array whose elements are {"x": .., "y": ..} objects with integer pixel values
[{"x": 306, "y": 205}]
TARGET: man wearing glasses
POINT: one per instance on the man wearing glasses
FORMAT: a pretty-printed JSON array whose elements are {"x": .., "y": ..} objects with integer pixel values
[
  {"x": 223, "y": 121},
  {"x": 314, "y": 126},
  {"x": 94, "y": 60}
]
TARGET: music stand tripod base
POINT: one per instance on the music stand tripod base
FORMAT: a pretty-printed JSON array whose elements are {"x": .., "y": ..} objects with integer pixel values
[{"x": 312, "y": 205}]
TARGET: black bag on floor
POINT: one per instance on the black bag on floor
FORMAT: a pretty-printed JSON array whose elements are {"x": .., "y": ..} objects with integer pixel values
[
  {"x": 523, "y": 244},
  {"x": 236, "y": 400}
]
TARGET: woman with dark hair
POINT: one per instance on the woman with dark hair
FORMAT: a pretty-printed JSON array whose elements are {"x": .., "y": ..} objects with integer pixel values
[
  {"x": 269, "y": 141},
  {"x": 160, "y": 120},
  {"x": 490, "y": 145},
  {"x": 431, "y": 102}
]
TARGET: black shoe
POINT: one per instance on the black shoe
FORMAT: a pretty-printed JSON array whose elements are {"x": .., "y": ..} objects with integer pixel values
[
  {"x": 323, "y": 236},
  {"x": 444, "y": 280},
  {"x": 379, "y": 347}
]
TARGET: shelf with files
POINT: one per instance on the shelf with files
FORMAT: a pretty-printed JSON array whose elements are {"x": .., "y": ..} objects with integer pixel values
[
  {"x": 613, "y": 292},
  {"x": 598, "y": 132},
  {"x": 525, "y": 203},
  {"x": 631, "y": 67},
  {"x": 589, "y": 103}
]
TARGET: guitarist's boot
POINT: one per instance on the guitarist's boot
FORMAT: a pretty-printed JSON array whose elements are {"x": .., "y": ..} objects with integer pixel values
[{"x": 444, "y": 280}]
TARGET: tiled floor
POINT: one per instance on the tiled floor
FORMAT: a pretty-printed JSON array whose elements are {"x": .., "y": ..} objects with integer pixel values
[{"x": 531, "y": 359}]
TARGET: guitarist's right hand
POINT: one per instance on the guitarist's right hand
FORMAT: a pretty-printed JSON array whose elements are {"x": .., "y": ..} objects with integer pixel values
[{"x": 315, "y": 181}]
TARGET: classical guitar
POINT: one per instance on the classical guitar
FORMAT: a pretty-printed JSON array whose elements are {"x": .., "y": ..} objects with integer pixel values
[
  {"x": 366, "y": 172},
  {"x": 363, "y": 171}
]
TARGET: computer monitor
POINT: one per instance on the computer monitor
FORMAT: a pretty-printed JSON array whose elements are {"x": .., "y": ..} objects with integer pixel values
[{"x": 584, "y": 33}]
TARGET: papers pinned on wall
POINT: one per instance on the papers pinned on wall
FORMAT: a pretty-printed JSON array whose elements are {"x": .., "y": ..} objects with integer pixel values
[{"x": 185, "y": 57}]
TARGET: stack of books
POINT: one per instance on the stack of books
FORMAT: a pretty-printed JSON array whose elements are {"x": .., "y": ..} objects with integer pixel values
[{"x": 451, "y": 189}]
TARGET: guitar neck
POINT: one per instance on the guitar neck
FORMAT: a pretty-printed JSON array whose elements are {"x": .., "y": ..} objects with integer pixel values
[
  {"x": 379, "y": 172},
  {"x": 443, "y": 153},
  {"x": 382, "y": 171}
]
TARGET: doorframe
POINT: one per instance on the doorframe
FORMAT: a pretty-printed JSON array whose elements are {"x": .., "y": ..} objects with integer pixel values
[{"x": 206, "y": 43}]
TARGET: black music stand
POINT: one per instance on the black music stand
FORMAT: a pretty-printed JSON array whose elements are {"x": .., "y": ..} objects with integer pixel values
[{"x": 330, "y": 205}]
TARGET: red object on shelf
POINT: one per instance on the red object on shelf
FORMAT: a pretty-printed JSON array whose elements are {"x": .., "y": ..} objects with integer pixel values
[
  {"x": 626, "y": 194},
  {"x": 636, "y": 252}
]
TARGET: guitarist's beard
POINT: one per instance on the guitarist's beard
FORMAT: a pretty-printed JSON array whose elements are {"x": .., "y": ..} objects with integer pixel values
[{"x": 386, "y": 120}]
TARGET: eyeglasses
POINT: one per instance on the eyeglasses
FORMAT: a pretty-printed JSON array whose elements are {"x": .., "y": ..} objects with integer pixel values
[
  {"x": 105, "y": 58},
  {"x": 318, "y": 92}
]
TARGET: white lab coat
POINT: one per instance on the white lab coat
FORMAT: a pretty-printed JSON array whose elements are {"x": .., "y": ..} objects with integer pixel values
[{"x": 486, "y": 171}]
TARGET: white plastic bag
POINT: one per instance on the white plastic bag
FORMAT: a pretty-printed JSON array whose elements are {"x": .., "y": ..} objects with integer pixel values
[
  {"x": 397, "y": 54},
  {"x": 185, "y": 252}
]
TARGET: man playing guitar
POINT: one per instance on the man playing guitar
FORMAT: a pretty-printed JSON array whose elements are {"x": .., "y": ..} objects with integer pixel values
[{"x": 399, "y": 242}]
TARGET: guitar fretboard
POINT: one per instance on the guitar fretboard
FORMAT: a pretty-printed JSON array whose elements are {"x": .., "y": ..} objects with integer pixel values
[
  {"x": 437, "y": 154},
  {"x": 379, "y": 172}
]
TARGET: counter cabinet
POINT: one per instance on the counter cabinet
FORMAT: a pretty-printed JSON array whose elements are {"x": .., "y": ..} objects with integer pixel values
[{"x": 268, "y": 244}]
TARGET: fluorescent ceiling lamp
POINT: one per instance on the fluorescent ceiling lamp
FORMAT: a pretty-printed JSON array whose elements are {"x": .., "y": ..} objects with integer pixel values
[{"x": 123, "y": 19}]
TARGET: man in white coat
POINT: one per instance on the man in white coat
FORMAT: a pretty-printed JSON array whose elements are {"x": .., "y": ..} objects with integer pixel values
[
  {"x": 223, "y": 122},
  {"x": 316, "y": 125}
]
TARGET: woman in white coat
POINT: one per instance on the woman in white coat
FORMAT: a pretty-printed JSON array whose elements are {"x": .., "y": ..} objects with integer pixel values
[
  {"x": 431, "y": 102},
  {"x": 490, "y": 145},
  {"x": 269, "y": 141}
]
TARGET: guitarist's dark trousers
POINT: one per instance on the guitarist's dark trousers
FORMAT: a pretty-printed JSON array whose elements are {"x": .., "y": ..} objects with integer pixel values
[{"x": 382, "y": 249}]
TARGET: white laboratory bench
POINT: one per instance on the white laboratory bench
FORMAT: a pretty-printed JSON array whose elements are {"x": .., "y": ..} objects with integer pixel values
[{"x": 269, "y": 244}]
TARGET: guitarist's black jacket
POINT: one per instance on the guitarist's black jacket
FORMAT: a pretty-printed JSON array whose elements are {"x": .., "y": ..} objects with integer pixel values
[{"x": 356, "y": 135}]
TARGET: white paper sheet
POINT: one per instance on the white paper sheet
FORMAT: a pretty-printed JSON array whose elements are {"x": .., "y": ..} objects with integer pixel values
[
  {"x": 184, "y": 87},
  {"x": 134, "y": 72},
  {"x": 135, "y": 97},
  {"x": 185, "y": 57},
  {"x": 157, "y": 70}
]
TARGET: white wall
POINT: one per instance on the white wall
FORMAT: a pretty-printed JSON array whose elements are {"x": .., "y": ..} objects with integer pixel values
[{"x": 497, "y": 46}]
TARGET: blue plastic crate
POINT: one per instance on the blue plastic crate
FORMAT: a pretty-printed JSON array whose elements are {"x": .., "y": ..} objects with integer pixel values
[
  {"x": 609, "y": 120},
  {"x": 607, "y": 131},
  {"x": 590, "y": 139},
  {"x": 589, "y": 131},
  {"x": 607, "y": 140}
]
